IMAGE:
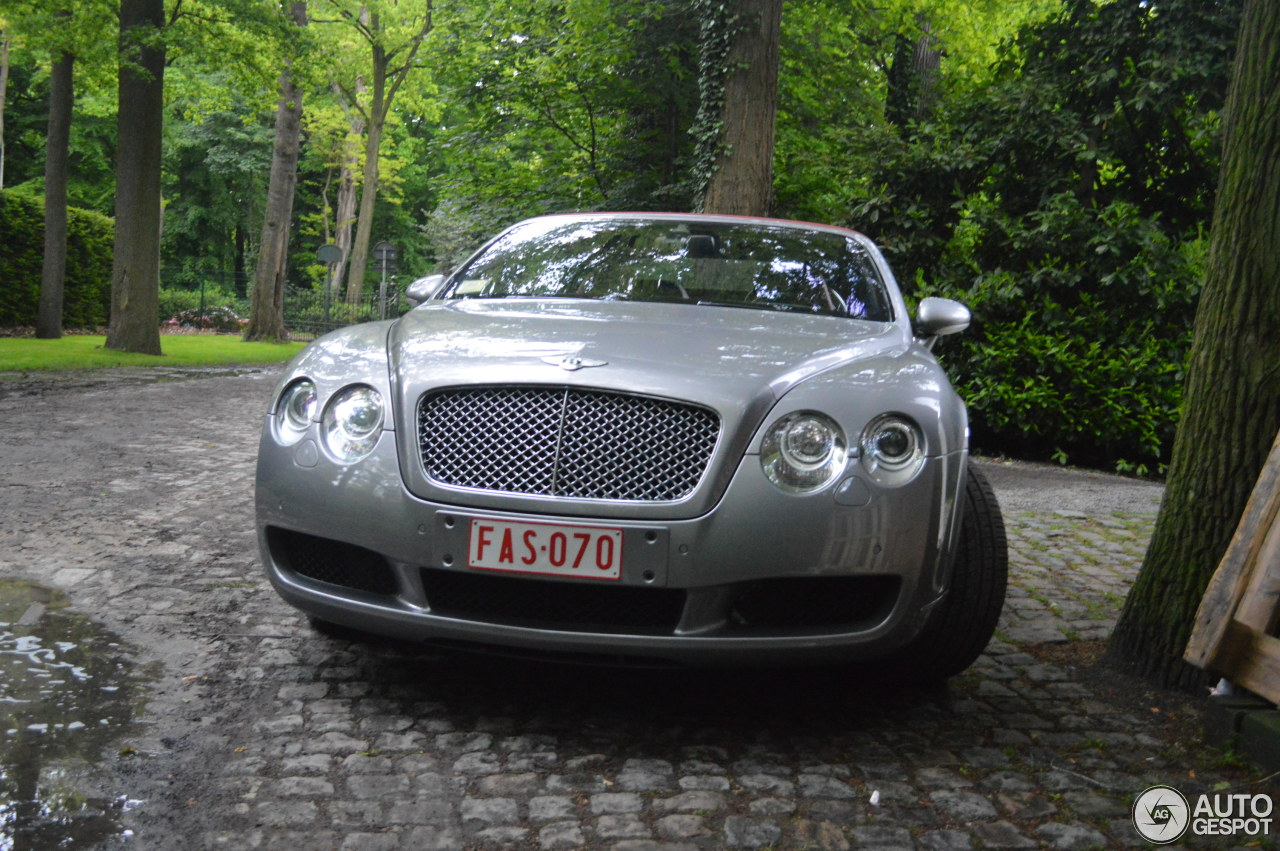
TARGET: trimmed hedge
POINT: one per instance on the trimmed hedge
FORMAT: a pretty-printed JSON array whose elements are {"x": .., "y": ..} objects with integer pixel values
[{"x": 86, "y": 300}]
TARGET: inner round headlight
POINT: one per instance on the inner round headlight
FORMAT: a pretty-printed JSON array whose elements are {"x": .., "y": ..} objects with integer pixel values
[
  {"x": 892, "y": 449},
  {"x": 296, "y": 407},
  {"x": 352, "y": 423},
  {"x": 803, "y": 452}
]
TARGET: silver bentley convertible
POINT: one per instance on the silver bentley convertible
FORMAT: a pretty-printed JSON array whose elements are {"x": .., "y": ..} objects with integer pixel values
[{"x": 654, "y": 438}]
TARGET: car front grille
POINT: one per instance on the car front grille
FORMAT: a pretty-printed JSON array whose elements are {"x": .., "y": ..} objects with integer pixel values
[
  {"x": 565, "y": 442},
  {"x": 598, "y": 607}
]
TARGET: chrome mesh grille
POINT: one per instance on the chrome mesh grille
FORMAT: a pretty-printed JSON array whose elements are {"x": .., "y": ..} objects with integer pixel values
[{"x": 565, "y": 442}]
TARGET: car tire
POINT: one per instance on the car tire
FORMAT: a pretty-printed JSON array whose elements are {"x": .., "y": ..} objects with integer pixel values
[{"x": 962, "y": 624}]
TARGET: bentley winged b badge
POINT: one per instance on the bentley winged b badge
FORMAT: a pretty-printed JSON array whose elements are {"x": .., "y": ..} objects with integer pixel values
[{"x": 572, "y": 362}]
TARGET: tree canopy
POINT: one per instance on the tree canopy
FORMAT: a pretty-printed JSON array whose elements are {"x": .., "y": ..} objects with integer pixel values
[{"x": 1052, "y": 163}]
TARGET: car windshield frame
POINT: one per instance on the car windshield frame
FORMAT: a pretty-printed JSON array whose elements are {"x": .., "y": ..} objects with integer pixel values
[{"x": 716, "y": 262}]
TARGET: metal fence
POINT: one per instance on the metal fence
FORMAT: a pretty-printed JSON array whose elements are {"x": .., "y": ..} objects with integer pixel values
[{"x": 309, "y": 313}]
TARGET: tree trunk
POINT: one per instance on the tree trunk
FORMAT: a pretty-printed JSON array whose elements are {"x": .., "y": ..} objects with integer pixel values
[
  {"x": 135, "y": 273},
  {"x": 387, "y": 79},
  {"x": 266, "y": 313},
  {"x": 57, "y": 144},
  {"x": 741, "y": 181},
  {"x": 4, "y": 89},
  {"x": 344, "y": 222},
  {"x": 345, "y": 208},
  {"x": 239, "y": 260},
  {"x": 913, "y": 78},
  {"x": 369, "y": 180},
  {"x": 1231, "y": 408}
]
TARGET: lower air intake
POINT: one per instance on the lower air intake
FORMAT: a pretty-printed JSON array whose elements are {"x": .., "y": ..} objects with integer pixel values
[{"x": 567, "y": 606}]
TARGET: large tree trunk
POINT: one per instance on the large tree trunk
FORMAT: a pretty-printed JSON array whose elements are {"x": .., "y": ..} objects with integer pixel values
[
  {"x": 135, "y": 271},
  {"x": 741, "y": 181},
  {"x": 1231, "y": 408},
  {"x": 266, "y": 313},
  {"x": 57, "y": 144}
]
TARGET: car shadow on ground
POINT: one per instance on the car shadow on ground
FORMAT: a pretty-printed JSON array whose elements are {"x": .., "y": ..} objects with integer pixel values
[{"x": 820, "y": 700}]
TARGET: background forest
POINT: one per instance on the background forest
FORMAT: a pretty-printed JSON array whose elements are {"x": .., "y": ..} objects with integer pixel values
[{"x": 1051, "y": 163}]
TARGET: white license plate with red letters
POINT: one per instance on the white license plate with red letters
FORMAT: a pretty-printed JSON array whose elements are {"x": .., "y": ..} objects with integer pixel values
[{"x": 588, "y": 552}]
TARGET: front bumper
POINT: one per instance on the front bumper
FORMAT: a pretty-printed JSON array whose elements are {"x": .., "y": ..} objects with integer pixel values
[{"x": 762, "y": 578}]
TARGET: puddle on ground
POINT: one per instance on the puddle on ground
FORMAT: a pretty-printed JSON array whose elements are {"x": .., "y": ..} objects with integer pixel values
[{"x": 68, "y": 694}]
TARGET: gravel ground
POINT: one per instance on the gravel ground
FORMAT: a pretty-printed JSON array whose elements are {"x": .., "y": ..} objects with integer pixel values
[{"x": 130, "y": 494}]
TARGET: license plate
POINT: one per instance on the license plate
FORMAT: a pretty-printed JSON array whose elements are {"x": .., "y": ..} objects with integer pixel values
[{"x": 589, "y": 552}]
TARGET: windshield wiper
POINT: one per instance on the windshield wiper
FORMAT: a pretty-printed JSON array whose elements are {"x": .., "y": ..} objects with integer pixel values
[{"x": 762, "y": 305}]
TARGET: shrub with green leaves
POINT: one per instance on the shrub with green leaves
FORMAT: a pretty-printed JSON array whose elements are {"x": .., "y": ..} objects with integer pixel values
[
  {"x": 1076, "y": 350},
  {"x": 222, "y": 319},
  {"x": 175, "y": 301},
  {"x": 86, "y": 300},
  {"x": 1067, "y": 204}
]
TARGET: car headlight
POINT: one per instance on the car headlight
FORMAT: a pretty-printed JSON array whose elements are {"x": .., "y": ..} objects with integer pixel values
[
  {"x": 892, "y": 449},
  {"x": 803, "y": 452},
  {"x": 352, "y": 423},
  {"x": 294, "y": 410}
]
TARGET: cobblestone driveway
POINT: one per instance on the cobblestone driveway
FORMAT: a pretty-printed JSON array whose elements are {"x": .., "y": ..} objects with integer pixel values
[{"x": 137, "y": 500}]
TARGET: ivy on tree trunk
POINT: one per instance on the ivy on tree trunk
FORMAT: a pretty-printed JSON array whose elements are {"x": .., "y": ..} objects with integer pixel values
[
  {"x": 1231, "y": 408},
  {"x": 741, "y": 177}
]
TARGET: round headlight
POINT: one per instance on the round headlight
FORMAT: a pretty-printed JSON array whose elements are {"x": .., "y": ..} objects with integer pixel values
[
  {"x": 803, "y": 452},
  {"x": 892, "y": 449},
  {"x": 294, "y": 410},
  {"x": 352, "y": 423}
]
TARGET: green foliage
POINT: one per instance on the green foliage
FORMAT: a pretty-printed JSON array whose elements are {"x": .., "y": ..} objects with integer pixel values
[
  {"x": 1066, "y": 204},
  {"x": 1060, "y": 184},
  {"x": 215, "y": 183},
  {"x": 87, "y": 294},
  {"x": 719, "y": 25},
  {"x": 224, "y": 320},
  {"x": 176, "y": 302},
  {"x": 583, "y": 104}
]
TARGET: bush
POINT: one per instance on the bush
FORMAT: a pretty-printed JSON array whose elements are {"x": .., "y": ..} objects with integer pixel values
[
  {"x": 222, "y": 319},
  {"x": 1078, "y": 355},
  {"x": 86, "y": 300},
  {"x": 175, "y": 301}
]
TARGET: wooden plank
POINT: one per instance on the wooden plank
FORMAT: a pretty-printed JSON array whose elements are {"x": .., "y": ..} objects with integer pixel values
[
  {"x": 1231, "y": 580},
  {"x": 1259, "y": 608},
  {"x": 1253, "y": 661}
]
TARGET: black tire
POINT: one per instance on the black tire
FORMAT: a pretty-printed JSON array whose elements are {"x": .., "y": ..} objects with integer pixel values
[{"x": 964, "y": 621}]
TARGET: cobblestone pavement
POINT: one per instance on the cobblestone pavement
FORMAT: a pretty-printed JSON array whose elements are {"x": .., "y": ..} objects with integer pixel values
[{"x": 259, "y": 733}]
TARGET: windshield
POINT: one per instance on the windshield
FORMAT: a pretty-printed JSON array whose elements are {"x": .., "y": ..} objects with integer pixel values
[{"x": 748, "y": 264}]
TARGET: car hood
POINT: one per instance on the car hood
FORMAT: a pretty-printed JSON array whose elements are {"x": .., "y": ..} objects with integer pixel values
[
  {"x": 720, "y": 357},
  {"x": 738, "y": 362}
]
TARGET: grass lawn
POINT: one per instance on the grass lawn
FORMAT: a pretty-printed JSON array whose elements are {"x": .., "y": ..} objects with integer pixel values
[{"x": 86, "y": 352}]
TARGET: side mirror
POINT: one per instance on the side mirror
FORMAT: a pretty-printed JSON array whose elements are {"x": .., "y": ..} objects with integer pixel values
[
  {"x": 938, "y": 317},
  {"x": 423, "y": 289}
]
